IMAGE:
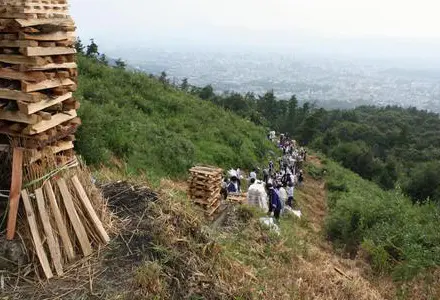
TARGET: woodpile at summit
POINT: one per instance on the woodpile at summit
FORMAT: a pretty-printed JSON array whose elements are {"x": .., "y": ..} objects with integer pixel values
[
  {"x": 62, "y": 217},
  {"x": 38, "y": 74}
]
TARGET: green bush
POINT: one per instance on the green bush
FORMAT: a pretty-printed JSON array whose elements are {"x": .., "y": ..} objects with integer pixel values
[{"x": 400, "y": 237}]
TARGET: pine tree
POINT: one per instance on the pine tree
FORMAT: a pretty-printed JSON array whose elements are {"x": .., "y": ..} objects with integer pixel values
[
  {"x": 120, "y": 64},
  {"x": 163, "y": 77},
  {"x": 184, "y": 85},
  {"x": 79, "y": 46},
  {"x": 92, "y": 49},
  {"x": 103, "y": 59}
]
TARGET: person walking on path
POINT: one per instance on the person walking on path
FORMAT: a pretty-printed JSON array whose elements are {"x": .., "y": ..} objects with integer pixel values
[
  {"x": 275, "y": 204},
  {"x": 301, "y": 178},
  {"x": 283, "y": 196},
  {"x": 290, "y": 195}
]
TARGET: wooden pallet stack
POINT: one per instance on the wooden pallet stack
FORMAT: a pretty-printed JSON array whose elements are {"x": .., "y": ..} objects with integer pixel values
[
  {"x": 38, "y": 74},
  {"x": 205, "y": 186}
]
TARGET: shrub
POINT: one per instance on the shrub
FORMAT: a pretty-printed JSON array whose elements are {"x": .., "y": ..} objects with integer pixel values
[{"x": 399, "y": 237}]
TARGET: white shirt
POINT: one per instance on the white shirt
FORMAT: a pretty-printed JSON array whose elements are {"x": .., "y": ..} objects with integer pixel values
[
  {"x": 253, "y": 175},
  {"x": 257, "y": 196},
  {"x": 290, "y": 191},
  {"x": 283, "y": 194}
]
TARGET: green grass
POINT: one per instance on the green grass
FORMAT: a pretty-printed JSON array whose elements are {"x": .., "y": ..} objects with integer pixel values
[
  {"x": 399, "y": 237},
  {"x": 156, "y": 129}
]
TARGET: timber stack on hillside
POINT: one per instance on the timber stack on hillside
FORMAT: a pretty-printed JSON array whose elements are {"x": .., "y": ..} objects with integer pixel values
[
  {"x": 38, "y": 74},
  {"x": 62, "y": 217},
  {"x": 205, "y": 187}
]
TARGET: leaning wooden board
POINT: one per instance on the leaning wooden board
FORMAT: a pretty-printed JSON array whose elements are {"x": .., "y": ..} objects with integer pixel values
[
  {"x": 54, "y": 248},
  {"x": 74, "y": 218},
  {"x": 61, "y": 225},
  {"x": 89, "y": 209},
  {"x": 36, "y": 235}
]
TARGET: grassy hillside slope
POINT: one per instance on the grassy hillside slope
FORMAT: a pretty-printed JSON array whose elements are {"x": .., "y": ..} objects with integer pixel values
[
  {"x": 397, "y": 236},
  {"x": 157, "y": 129}
]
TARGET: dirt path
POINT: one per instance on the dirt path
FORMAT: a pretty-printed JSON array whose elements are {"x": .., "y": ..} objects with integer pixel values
[{"x": 323, "y": 273}]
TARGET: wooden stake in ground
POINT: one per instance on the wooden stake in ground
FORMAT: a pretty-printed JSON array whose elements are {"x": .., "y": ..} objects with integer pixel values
[
  {"x": 89, "y": 208},
  {"x": 14, "y": 195},
  {"x": 36, "y": 235},
  {"x": 54, "y": 248}
]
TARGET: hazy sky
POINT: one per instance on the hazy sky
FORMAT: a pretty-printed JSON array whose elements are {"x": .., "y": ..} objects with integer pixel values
[{"x": 148, "y": 21}]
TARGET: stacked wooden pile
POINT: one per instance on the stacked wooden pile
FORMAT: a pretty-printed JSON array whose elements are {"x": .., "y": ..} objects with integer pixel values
[
  {"x": 205, "y": 186},
  {"x": 38, "y": 74}
]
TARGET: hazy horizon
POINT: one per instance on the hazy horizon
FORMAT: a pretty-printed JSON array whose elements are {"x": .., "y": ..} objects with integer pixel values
[{"x": 373, "y": 29}]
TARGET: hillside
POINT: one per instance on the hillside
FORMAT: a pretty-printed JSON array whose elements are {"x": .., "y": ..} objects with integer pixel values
[{"x": 148, "y": 127}]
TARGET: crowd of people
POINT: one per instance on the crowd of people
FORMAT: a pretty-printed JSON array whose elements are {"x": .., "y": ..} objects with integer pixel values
[{"x": 273, "y": 187}]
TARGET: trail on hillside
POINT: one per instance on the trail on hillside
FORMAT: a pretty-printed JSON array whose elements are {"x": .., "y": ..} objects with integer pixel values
[{"x": 319, "y": 273}]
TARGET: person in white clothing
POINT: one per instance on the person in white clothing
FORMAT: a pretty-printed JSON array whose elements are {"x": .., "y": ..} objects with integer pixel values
[
  {"x": 283, "y": 196},
  {"x": 256, "y": 195}
]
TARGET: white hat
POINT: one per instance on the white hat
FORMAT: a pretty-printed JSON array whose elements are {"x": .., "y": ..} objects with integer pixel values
[{"x": 232, "y": 173}]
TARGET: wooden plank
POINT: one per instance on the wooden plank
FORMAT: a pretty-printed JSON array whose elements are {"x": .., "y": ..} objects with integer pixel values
[
  {"x": 18, "y": 116},
  {"x": 61, "y": 226},
  {"x": 47, "y": 51},
  {"x": 44, "y": 85},
  {"x": 78, "y": 227},
  {"x": 89, "y": 208},
  {"x": 51, "y": 66},
  {"x": 21, "y": 96},
  {"x": 54, "y": 248},
  {"x": 11, "y": 74},
  {"x": 36, "y": 155},
  {"x": 53, "y": 36},
  {"x": 23, "y": 60},
  {"x": 18, "y": 43},
  {"x": 14, "y": 195},
  {"x": 45, "y": 125},
  {"x": 36, "y": 235},
  {"x": 52, "y": 21}
]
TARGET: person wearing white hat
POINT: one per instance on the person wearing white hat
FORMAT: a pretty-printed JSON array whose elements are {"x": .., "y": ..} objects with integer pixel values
[{"x": 233, "y": 186}]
